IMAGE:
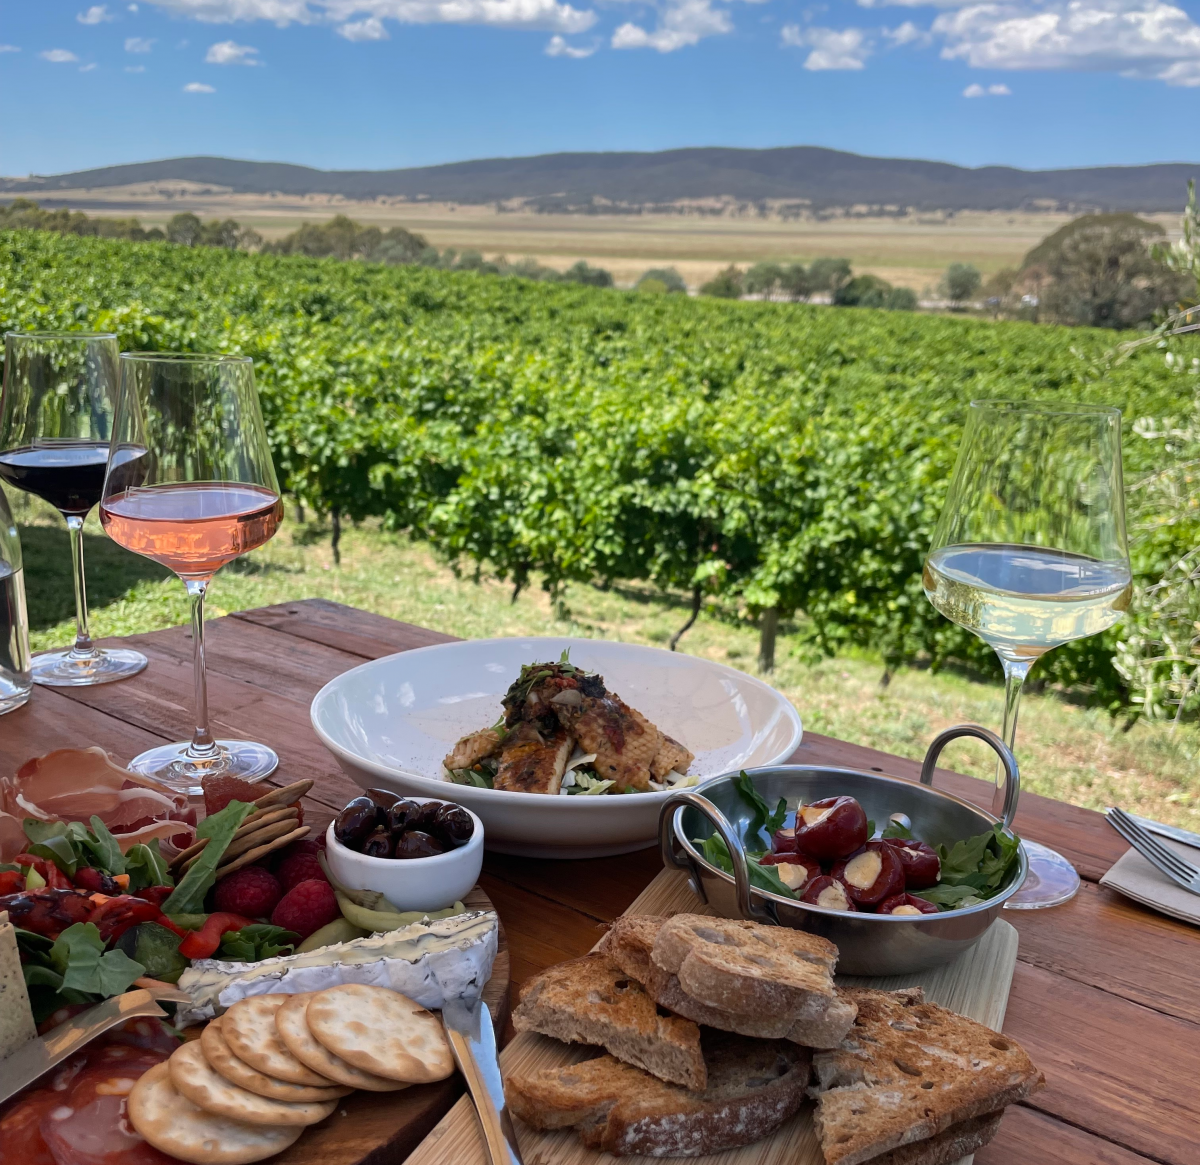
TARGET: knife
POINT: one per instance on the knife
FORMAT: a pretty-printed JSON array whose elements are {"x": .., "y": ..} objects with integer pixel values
[
  {"x": 473, "y": 1041},
  {"x": 1171, "y": 831},
  {"x": 29, "y": 1061}
]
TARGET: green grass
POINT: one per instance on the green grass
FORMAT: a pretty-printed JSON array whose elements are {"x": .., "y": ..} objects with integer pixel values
[{"x": 1067, "y": 751}]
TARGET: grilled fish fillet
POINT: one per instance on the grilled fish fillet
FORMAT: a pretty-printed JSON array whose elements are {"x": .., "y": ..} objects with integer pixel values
[
  {"x": 472, "y": 749},
  {"x": 624, "y": 741},
  {"x": 671, "y": 756},
  {"x": 532, "y": 761}
]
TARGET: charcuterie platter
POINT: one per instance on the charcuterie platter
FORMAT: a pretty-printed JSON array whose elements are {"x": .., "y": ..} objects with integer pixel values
[{"x": 230, "y": 989}]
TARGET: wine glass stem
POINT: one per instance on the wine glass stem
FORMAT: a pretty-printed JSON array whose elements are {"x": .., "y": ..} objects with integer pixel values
[
  {"x": 203, "y": 747},
  {"x": 1015, "y": 672},
  {"x": 83, "y": 640}
]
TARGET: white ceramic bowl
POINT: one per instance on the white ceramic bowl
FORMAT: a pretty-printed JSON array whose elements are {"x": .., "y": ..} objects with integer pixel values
[
  {"x": 391, "y": 721},
  {"x": 411, "y": 883}
]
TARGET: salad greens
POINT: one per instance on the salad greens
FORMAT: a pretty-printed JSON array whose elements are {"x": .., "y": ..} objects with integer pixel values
[
  {"x": 255, "y": 942},
  {"x": 71, "y": 844},
  {"x": 74, "y": 968},
  {"x": 764, "y": 877},
  {"x": 764, "y": 816},
  {"x": 219, "y": 828}
]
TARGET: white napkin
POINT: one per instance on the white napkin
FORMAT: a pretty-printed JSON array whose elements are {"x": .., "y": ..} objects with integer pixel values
[{"x": 1136, "y": 878}]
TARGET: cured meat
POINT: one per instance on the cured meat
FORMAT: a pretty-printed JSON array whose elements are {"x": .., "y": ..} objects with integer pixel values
[
  {"x": 79, "y": 1117},
  {"x": 72, "y": 784}
]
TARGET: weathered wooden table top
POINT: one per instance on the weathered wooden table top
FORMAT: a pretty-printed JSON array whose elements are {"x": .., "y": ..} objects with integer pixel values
[{"x": 1106, "y": 996}]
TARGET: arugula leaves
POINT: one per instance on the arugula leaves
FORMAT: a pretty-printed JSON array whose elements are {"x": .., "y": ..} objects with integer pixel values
[
  {"x": 219, "y": 828},
  {"x": 716, "y": 853},
  {"x": 146, "y": 866},
  {"x": 974, "y": 870},
  {"x": 71, "y": 844},
  {"x": 764, "y": 816},
  {"x": 257, "y": 941},
  {"x": 75, "y": 968}
]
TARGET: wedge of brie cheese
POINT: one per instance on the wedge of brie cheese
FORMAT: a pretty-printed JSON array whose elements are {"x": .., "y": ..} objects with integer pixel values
[{"x": 429, "y": 961}]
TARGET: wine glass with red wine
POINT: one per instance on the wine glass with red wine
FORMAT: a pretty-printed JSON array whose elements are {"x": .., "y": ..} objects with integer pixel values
[
  {"x": 56, "y": 415},
  {"x": 191, "y": 485}
]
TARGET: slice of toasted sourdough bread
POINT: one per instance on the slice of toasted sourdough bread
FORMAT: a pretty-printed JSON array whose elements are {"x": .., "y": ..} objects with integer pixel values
[
  {"x": 945, "y": 1148},
  {"x": 593, "y": 1001},
  {"x": 816, "y": 1019},
  {"x": 910, "y": 1071},
  {"x": 753, "y": 1087}
]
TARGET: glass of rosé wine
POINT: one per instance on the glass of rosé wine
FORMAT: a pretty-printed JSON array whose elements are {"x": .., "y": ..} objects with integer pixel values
[{"x": 190, "y": 484}]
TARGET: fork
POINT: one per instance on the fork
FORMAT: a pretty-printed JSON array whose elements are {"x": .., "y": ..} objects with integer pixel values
[{"x": 1157, "y": 854}]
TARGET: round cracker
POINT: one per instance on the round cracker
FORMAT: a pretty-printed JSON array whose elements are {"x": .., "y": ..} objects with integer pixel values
[
  {"x": 249, "y": 1029},
  {"x": 380, "y": 1031},
  {"x": 292, "y": 1026},
  {"x": 193, "y": 1077},
  {"x": 175, "y": 1126},
  {"x": 220, "y": 1055}
]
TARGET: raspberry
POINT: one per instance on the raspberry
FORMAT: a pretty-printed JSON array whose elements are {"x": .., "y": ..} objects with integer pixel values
[
  {"x": 306, "y": 845},
  {"x": 299, "y": 867},
  {"x": 219, "y": 791},
  {"x": 250, "y": 891},
  {"x": 306, "y": 908}
]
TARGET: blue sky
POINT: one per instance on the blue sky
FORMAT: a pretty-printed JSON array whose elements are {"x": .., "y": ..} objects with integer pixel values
[{"x": 375, "y": 84}]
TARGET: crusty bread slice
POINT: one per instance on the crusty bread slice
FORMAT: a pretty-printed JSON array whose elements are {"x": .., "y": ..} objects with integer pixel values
[
  {"x": 753, "y": 1087},
  {"x": 816, "y": 1018},
  {"x": 945, "y": 1148},
  {"x": 909, "y": 1071},
  {"x": 593, "y": 1001}
]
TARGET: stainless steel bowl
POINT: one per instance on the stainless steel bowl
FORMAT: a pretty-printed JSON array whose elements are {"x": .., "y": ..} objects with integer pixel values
[{"x": 869, "y": 944}]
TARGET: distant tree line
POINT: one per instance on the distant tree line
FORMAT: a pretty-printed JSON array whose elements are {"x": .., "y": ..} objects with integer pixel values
[{"x": 794, "y": 281}]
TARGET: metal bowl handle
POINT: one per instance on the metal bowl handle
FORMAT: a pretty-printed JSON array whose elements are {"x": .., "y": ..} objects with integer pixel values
[
  {"x": 747, "y": 907},
  {"x": 1012, "y": 774}
]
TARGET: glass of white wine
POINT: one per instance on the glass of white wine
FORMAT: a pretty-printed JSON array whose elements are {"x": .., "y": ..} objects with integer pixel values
[{"x": 1030, "y": 553}]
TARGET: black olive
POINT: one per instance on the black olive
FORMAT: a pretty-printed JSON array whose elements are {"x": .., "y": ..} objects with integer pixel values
[
  {"x": 417, "y": 844},
  {"x": 400, "y": 816},
  {"x": 453, "y": 823},
  {"x": 384, "y": 798},
  {"x": 357, "y": 822},
  {"x": 424, "y": 815},
  {"x": 379, "y": 845}
]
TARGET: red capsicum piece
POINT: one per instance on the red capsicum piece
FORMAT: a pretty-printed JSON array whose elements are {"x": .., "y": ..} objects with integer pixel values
[
  {"x": 54, "y": 877},
  {"x": 202, "y": 943}
]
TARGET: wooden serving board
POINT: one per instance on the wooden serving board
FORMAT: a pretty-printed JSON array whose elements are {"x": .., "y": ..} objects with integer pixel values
[
  {"x": 976, "y": 984},
  {"x": 382, "y": 1128}
]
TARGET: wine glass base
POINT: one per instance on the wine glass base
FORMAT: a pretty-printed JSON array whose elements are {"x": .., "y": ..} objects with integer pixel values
[
  {"x": 71, "y": 669},
  {"x": 1052, "y": 880},
  {"x": 172, "y": 765}
]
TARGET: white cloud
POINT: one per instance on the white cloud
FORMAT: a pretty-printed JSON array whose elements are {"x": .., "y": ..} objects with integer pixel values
[
  {"x": 907, "y": 33},
  {"x": 362, "y": 19},
  {"x": 9, "y": 48},
  {"x": 133, "y": 8},
  {"x": 138, "y": 44},
  {"x": 97, "y": 14},
  {"x": 831, "y": 49},
  {"x": 1137, "y": 38},
  {"x": 974, "y": 91},
  {"x": 135, "y": 68},
  {"x": 198, "y": 87},
  {"x": 990, "y": 91},
  {"x": 681, "y": 23},
  {"x": 87, "y": 68},
  {"x": 369, "y": 29},
  {"x": 58, "y": 56},
  {"x": 229, "y": 52},
  {"x": 999, "y": 91},
  {"x": 559, "y": 48}
]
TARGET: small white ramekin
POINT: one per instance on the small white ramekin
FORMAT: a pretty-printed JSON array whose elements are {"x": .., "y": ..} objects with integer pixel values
[{"x": 431, "y": 883}]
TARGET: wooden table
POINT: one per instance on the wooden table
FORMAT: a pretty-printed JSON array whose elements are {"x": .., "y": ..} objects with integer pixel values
[{"x": 1106, "y": 996}]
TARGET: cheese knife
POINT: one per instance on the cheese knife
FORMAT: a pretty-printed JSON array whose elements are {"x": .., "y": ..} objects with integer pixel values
[
  {"x": 39, "y": 1055},
  {"x": 472, "y": 1038}
]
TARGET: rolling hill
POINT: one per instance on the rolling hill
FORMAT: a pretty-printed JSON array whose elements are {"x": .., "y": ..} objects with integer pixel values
[{"x": 821, "y": 177}]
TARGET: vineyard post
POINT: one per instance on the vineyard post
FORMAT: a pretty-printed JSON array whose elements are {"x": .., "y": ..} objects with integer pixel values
[
  {"x": 335, "y": 521},
  {"x": 766, "y": 642}
]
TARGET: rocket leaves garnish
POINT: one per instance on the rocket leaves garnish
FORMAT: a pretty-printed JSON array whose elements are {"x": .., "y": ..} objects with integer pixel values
[
  {"x": 219, "y": 828},
  {"x": 716, "y": 853},
  {"x": 974, "y": 870},
  {"x": 764, "y": 816},
  {"x": 256, "y": 942}
]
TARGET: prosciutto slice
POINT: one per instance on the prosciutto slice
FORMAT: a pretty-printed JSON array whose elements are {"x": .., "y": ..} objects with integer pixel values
[{"x": 73, "y": 784}]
